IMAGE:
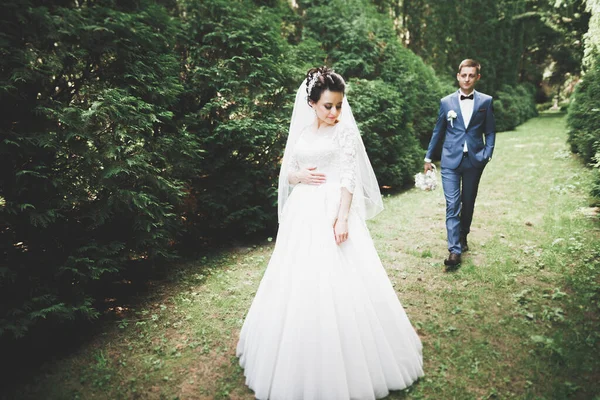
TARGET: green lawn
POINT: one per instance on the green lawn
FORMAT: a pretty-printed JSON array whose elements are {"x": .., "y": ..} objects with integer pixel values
[{"x": 518, "y": 320}]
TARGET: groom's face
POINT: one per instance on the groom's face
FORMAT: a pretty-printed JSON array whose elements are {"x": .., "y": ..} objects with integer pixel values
[{"x": 467, "y": 77}]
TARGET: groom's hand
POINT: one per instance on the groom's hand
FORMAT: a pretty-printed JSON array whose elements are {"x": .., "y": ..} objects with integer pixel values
[{"x": 427, "y": 167}]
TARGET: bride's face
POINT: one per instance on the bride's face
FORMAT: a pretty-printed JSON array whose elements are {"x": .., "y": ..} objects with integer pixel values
[{"x": 329, "y": 107}]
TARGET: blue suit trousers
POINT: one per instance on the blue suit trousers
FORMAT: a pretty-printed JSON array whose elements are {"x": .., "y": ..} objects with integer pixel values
[{"x": 460, "y": 190}]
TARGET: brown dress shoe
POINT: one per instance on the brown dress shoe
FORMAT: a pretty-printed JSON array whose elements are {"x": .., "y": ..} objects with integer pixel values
[
  {"x": 452, "y": 260},
  {"x": 464, "y": 246}
]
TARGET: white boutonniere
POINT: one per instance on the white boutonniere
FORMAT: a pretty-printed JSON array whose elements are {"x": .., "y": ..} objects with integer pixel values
[{"x": 451, "y": 116}]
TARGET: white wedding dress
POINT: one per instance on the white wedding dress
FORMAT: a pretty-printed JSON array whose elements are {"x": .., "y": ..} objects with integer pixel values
[{"x": 326, "y": 323}]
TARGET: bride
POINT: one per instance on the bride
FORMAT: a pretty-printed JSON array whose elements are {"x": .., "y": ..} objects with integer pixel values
[{"x": 326, "y": 323}]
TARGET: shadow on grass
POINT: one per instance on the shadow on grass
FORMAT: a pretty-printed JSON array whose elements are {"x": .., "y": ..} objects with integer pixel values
[{"x": 23, "y": 359}]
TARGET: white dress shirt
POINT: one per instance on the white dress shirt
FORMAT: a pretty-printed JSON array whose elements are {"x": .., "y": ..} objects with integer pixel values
[{"x": 466, "y": 109}]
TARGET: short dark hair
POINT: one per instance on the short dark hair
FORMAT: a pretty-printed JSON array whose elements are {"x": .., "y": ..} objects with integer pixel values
[
  {"x": 325, "y": 79},
  {"x": 469, "y": 62}
]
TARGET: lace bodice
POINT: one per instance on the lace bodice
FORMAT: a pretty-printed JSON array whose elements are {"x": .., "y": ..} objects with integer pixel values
[{"x": 332, "y": 150}]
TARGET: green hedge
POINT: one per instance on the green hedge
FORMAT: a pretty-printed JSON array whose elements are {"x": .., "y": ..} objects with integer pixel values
[
  {"x": 513, "y": 106},
  {"x": 91, "y": 162},
  {"x": 237, "y": 102},
  {"x": 584, "y": 117},
  {"x": 384, "y": 120},
  {"x": 583, "y": 120}
]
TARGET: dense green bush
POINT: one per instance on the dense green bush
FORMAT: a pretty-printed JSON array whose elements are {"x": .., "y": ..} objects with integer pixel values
[
  {"x": 89, "y": 158},
  {"x": 237, "y": 102},
  {"x": 584, "y": 110},
  {"x": 418, "y": 85},
  {"x": 384, "y": 120},
  {"x": 513, "y": 106},
  {"x": 584, "y": 117}
]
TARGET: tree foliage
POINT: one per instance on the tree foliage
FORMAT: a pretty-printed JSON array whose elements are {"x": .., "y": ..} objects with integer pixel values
[
  {"x": 236, "y": 101},
  {"x": 537, "y": 42},
  {"x": 592, "y": 36},
  {"x": 384, "y": 120},
  {"x": 584, "y": 110},
  {"x": 91, "y": 161}
]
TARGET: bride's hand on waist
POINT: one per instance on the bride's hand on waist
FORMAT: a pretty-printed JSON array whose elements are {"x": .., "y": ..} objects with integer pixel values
[
  {"x": 309, "y": 176},
  {"x": 340, "y": 230}
]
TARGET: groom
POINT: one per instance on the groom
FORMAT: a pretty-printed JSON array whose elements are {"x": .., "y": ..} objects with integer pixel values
[{"x": 465, "y": 118}]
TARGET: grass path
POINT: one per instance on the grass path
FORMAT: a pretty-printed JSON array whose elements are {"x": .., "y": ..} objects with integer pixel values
[{"x": 518, "y": 320}]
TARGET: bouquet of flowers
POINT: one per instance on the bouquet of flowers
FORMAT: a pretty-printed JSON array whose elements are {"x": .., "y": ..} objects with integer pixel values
[{"x": 426, "y": 181}]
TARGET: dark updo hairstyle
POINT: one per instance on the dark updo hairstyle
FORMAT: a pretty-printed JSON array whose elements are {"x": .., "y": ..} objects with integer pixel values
[{"x": 326, "y": 79}]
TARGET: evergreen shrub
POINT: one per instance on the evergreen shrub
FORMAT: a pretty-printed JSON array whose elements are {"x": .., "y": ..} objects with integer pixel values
[
  {"x": 583, "y": 117},
  {"x": 513, "y": 106},
  {"x": 237, "y": 101},
  {"x": 90, "y": 160},
  {"x": 384, "y": 121}
]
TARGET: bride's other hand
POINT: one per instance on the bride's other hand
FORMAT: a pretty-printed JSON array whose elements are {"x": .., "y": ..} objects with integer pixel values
[
  {"x": 309, "y": 176},
  {"x": 340, "y": 231},
  {"x": 340, "y": 226}
]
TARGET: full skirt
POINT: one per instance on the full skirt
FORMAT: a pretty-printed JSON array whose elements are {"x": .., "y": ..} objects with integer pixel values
[{"x": 326, "y": 322}]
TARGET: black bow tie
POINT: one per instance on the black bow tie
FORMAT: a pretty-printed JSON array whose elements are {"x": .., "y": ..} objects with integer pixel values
[{"x": 463, "y": 97}]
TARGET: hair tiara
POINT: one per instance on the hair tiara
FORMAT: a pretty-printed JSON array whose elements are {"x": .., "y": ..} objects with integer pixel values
[{"x": 313, "y": 82}]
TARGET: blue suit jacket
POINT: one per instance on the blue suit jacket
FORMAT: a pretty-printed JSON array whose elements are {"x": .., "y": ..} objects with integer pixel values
[{"x": 482, "y": 125}]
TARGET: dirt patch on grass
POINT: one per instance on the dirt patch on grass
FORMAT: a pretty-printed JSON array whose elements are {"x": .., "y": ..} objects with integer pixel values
[{"x": 201, "y": 379}]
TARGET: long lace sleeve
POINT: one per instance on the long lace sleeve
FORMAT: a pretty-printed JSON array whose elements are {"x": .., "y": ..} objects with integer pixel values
[
  {"x": 292, "y": 166},
  {"x": 347, "y": 141},
  {"x": 293, "y": 163}
]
